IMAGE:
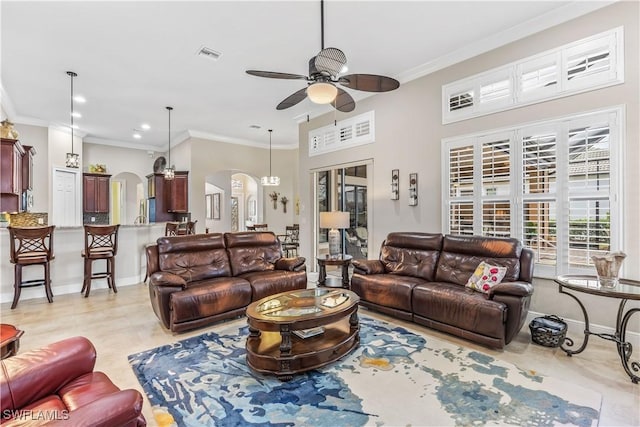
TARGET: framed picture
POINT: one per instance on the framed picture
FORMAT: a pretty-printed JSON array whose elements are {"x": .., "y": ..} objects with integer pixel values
[
  {"x": 208, "y": 206},
  {"x": 216, "y": 206}
]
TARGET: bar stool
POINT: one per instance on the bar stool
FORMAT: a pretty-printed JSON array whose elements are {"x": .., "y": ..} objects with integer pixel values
[
  {"x": 171, "y": 229},
  {"x": 191, "y": 227},
  {"x": 31, "y": 246},
  {"x": 100, "y": 242}
]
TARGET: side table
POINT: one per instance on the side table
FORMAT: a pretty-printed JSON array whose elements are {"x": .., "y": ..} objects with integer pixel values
[
  {"x": 9, "y": 340},
  {"x": 624, "y": 291},
  {"x": 341, "y": 260}
]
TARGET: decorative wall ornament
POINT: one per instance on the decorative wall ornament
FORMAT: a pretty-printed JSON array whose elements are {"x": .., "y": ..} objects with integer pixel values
[
  {"x": 284, "y": 202},
  {"x": 413, "y": 189},
  {"x": 274, "y": 198},
  {"x": 395, "y": 184}
]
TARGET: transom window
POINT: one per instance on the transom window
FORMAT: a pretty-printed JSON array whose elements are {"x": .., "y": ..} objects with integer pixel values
[{"x": 587, "y": 64}]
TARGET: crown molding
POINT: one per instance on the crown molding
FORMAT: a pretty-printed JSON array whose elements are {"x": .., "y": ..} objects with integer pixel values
[{"x": 237, "y": 141}]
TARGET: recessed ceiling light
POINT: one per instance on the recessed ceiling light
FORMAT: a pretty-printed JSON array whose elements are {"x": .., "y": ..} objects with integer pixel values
[
  {"x": 209, "y": 53},
  {"x": 137, "y": 136},
  {"x": 255, "y": 127},
  {"x": 79, "y": 98},
  {"x": 145, "y": 126},
  {"x": 76, "y": 115}
]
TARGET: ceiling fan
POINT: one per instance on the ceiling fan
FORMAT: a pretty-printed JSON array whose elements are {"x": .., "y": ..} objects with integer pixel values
[{"x": 325, "y": 70}]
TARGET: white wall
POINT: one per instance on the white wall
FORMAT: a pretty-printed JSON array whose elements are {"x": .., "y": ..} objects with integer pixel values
[{"x": 409, "y": 131}]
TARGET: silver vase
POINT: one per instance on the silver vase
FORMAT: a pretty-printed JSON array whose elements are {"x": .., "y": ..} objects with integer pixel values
[{"x": 607, "y": 267}]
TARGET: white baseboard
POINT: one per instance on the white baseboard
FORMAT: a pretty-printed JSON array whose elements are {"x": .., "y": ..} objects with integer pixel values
[
  {"x": 72, "y": 288},
  {"x": 575, "y": 329}
]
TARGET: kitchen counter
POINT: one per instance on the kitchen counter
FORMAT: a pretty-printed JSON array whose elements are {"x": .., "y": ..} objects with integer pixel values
[{"x": 67, "y": 269}]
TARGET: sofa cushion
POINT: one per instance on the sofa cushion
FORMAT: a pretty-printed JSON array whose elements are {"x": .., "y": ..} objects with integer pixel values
[
  {"x": 386, "y": 290},
  {"x": 485, "y": 277},
  {"x": 461, "y": 255},
  {"x": 194, "y": 257},
  {"x": 252, "y": 251},
  {"x": 265, "y": 283},
  {"x": 460, "y": 307},
  {"x": 209, "y": 297},
  {"x": 411, "y": 254}
]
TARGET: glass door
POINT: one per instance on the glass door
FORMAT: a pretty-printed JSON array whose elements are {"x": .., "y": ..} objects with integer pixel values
[{"x": 344, "y": 189}]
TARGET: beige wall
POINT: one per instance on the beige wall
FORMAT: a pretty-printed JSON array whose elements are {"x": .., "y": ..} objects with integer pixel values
[
  {"x": 409, "y": 130},
  {"x": 211, "y": 160}
]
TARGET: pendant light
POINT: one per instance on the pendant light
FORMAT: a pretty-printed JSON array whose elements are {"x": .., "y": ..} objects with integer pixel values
[
  {"x": 270, "y": 180},
  {"x": 73, "y": 159},
  {"x": 169, "y": 171}
]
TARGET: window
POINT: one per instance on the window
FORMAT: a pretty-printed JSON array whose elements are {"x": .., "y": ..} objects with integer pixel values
[
  {"x": 552, "y": 185},
  {"x": 346, "y": 133},
  {"x": 586, "y": 64}
]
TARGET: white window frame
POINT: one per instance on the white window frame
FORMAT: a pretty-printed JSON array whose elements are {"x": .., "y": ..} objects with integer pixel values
[
  {"x": 612, "y": 40},
  {"x": 613, "y": 116},
  {"x": 332, "y": 137}
]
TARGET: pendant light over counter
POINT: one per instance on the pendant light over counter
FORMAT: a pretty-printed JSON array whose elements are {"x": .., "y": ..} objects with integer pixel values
[
  {"x": 270, "y": 180},
  {"x": 73, "y": 159},
  {"x": 169, "y": 171}
]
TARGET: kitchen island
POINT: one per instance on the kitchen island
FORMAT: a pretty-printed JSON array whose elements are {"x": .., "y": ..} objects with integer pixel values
[{"x": 67, "y": 267}]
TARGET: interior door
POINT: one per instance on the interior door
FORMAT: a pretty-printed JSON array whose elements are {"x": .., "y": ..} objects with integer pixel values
[{"x": 65, "y": 208}]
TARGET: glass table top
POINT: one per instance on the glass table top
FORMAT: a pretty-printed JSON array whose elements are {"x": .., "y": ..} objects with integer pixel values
[
  {"x": 625, "y": 288},
  {"x": 304, "y": 302}
]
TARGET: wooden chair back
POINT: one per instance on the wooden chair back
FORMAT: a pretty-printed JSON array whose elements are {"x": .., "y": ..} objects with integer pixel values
[
  {"x": 101, "y": 241},
  {"x": 31, "y": 245}
]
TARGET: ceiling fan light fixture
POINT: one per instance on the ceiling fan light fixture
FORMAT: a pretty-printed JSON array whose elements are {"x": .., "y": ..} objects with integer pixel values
[{"x": 322, "y": 93}]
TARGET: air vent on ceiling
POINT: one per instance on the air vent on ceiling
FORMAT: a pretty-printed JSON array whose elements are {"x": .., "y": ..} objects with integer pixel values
[{"x": 209, "y": 53}]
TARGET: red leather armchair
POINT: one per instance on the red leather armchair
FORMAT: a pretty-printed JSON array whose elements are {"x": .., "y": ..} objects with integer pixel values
[{"x": 56, "y": 385}]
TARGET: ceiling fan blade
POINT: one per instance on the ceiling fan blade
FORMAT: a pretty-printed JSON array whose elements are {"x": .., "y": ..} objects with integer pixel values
[
  {"x": 344, "y": 102},
  {"x": 275, "y": 75},
  {"x": 369, "y": 82},
  {"x": 293, "y": 99},
  {"x": 331, "y": 60}
]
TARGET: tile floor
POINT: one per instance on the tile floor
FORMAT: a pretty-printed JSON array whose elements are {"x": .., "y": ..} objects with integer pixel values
[{"x": 124, "y": 323}]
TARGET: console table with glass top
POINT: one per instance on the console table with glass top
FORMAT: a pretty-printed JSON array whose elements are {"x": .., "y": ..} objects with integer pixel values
[{"x": 625, "y": 290}]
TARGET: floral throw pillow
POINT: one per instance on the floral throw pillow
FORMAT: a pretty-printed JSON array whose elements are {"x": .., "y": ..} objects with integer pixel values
[{"x": 486, "y": 276}]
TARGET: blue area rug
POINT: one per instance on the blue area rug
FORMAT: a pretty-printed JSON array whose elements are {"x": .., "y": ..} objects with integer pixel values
[{"x": 396, "y": 377}]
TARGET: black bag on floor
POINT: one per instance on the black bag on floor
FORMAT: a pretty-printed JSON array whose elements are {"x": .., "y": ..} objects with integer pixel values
[{"x": 548, "y": 331}]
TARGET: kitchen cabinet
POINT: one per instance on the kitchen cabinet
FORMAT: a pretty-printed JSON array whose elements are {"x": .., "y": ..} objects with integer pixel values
[
  {"x": 95, "y": 192},
  {"x": 11, "y": 152},
  {"x": 177, "y": 193},
  {"x": 27, "y": 167},
  {"x": 168, "y": 198}
]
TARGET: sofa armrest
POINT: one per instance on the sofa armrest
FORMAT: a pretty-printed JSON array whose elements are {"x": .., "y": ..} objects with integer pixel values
[
  {"x": 32, "y": 375},
  {"x": 290, "y": 264},
  {"x": 519, "y": 289},
  {"x": 368, "y": 266},
  {"x": 116, "y": 409},
  {"x": 164, "y": 278}
]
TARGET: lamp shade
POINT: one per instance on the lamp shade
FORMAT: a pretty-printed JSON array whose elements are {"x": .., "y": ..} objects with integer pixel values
[
  {"x": 322, "y": 93},
  {"x": 335, "y": 219}
]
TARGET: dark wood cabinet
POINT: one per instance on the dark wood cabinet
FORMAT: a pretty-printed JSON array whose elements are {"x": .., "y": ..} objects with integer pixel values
[
  {"x": 168, "y": 199},
  {"x": 11, "y": 152},
  {"x": 177, "y": 193},
  {"x": 95, "y": 192},
  {"x": 27, "y": 167}
]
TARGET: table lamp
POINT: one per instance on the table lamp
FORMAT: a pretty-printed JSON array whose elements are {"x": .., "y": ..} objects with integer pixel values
[{"x": 333, "y": 221}]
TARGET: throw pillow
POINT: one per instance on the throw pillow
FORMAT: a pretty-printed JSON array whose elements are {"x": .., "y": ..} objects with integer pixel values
[{"x": 486, "y": 276}]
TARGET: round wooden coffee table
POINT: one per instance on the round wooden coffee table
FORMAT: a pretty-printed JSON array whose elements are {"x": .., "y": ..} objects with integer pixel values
[{"x": 297, "y": 331}]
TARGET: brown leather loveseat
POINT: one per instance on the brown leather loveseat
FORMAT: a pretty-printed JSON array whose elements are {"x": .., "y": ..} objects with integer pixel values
[
  {"x": 421, "y": 277},
  {"x": 199, "y": 279},
  {"x": 56, "y": 385}
]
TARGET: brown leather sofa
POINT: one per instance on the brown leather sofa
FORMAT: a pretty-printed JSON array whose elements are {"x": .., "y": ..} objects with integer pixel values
[
  {"x": 199, "y": 279},
  {"x": 421, "y": 277},
  {"x": 56, "y": 385}
]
